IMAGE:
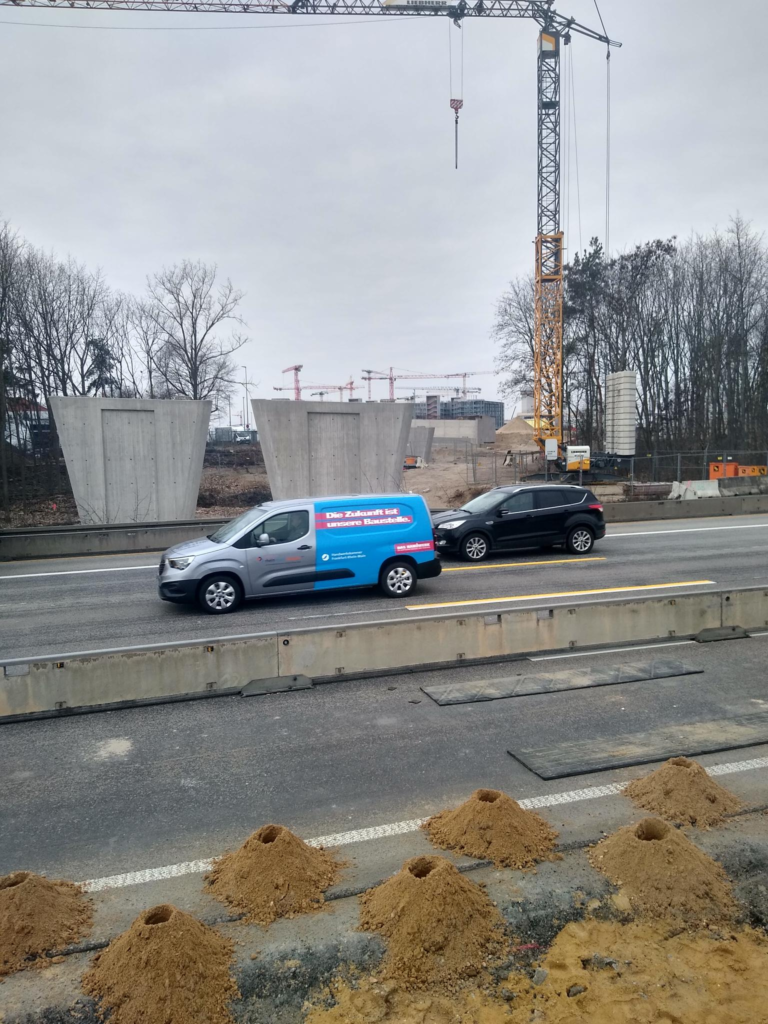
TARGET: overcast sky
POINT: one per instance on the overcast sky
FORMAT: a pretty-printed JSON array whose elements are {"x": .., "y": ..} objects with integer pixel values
[{"x": 314, "y": 165}]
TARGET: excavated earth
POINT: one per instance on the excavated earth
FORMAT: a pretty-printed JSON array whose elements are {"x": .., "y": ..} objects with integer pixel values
[{"x": 278, "y": 969}]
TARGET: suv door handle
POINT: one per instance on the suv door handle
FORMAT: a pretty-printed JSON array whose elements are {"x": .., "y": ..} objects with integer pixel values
[{"x": 304, "y": 547}]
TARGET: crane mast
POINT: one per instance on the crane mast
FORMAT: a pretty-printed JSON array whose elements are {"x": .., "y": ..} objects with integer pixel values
[{"x": 555, "y": 31}]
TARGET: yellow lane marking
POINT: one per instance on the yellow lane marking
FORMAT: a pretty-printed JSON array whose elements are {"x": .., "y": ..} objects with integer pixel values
[
  {"x": 564, "y": 593},
  {"x": 521, "y": 565}
]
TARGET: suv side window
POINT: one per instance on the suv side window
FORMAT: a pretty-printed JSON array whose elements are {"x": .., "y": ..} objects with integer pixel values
[
  {"x": 520, "y": 502},
  {"x": 282, "y": 528},
  {"x": 551, "y": 497}
]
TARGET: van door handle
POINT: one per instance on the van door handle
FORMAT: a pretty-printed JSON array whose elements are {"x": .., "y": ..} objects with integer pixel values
[{"x": 305, "y": 547}]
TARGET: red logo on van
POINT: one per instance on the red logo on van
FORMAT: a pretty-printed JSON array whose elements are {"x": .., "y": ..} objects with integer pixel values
[{"x": 415, "y": 545}]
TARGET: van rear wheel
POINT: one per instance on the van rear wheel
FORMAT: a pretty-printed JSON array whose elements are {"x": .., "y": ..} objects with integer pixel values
[
  {"x": 220, "y": 594},
  {"x": 398, "y": 579}
]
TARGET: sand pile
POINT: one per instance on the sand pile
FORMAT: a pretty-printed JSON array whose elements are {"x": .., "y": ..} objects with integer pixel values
[
  {"x": 664, "y": 874},
  {"x": 168, "y": 968},
  {"x": 273, "y": 874},
  {"x": 682, "y": 791},
  {"x": 439, "y": 926},
  {"x": 38, "y": 915},
  {"x": 493, "y": 826},
  {"x": 643, "y": 973}
]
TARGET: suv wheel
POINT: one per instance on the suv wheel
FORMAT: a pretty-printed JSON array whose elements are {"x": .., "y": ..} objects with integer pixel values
[
  {"x": 474, "y": 547},
  {"x": 580, "y": 540},
  {"x": 398, "y": 579},
  {"x": 220, "y": 594}
]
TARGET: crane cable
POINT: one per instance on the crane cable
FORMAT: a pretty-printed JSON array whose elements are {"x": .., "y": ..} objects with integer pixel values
[
  {"x": 607, "y": 136},
  {"x": 456, "y": 102}
]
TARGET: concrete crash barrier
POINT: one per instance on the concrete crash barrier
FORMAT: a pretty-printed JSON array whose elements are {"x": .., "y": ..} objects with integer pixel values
[
  {"x": 113, "y": 539},
  {"x": 273, "y": 662},
  {"x": 64, "y": 541},
  {"x": 641, "y": 511}
]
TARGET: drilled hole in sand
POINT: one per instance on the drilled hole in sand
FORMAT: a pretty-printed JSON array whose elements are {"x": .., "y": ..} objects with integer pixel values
[
  {"x": 158, "y": 915},
  {"x": 488, "y": 796},
  {"x": 651, "y": 828},
  {"x": 422, "y": 867},
  {"x": 269, "y": 834},
  {"x": 9, "y": 881},
  {"x": 681, "y": 762}
]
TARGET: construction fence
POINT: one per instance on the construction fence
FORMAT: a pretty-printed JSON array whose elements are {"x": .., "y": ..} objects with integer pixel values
[{"x": 494, "y": 467}]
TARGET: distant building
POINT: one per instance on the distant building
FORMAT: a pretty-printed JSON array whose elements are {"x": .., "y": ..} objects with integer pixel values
[
  {"x": 462, "y": 409},
  {"x": 26, "y": 424}
]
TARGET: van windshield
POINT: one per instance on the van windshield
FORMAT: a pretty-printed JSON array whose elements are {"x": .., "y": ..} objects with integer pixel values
[
  {"x": 229, "y": 530},
  {"x": 483, "y": 502}
]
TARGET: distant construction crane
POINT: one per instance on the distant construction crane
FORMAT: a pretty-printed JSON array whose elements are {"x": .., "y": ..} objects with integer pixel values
[
  {"x": 393, "y": 376},
  {"x": 296, "y": 370},
  {"x": 554, "y": 30},
  {"x": 297, "y": 387},
  {"x": 414, "y": 393}
]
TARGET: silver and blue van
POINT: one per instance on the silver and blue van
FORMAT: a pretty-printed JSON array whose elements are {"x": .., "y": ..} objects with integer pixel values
[{"x": 305, "y": 545}]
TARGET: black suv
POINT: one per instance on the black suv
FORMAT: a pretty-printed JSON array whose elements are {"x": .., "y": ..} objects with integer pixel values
[{"x": 521, "y": 517}]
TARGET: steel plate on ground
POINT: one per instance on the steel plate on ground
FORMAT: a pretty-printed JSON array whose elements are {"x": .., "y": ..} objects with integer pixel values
[
  {"x": 525, "y": 684},
  {"x": 687, "y": 739}
]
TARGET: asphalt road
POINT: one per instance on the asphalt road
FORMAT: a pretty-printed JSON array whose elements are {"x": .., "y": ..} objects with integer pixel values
[
  {"x": 60, "y": 606},
  {"x": 120, "y": 791}
]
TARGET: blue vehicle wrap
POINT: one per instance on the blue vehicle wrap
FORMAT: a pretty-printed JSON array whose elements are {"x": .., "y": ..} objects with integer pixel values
[{"x": 359, "y": 535}]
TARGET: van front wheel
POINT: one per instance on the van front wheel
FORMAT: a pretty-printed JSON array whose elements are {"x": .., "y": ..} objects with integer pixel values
[
  {"x": 398, "y": 579},
  {"x": 220, "y": 594}
]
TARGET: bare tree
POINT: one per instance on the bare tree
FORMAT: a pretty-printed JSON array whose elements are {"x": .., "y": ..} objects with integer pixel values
[
  {"x": 10, "y": 254},
  {"x": 179, "y": 326}
]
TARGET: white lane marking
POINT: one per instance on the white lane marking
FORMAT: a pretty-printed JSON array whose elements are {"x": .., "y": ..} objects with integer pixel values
[
  {"x": 687, "y": 529},
  {"x": 397, "y": 828},
  {"x": 609, "y": 650},
  {"x": 77, "y": 572}
]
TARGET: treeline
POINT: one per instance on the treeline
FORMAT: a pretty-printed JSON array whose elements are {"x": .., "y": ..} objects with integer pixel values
[
  {"x": 64, "y": 331},
  {"x": 690, "y": 318}
]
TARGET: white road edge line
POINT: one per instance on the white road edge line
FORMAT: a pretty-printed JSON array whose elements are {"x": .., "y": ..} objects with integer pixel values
[
  {"x": 77, "y": 572},
  {"x": 398, "y": 828},
  {"x": 609, "y": 650},
  {"x": 687, "y": 529}
]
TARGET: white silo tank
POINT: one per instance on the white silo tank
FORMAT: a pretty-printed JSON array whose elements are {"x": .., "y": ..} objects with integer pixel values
[{"x": 620, "y": 412}]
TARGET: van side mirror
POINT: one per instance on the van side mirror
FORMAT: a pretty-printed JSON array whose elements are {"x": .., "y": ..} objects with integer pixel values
[{"x": 262, "y": 540}]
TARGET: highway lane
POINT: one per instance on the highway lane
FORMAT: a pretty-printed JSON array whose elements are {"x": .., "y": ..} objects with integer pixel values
[
  {"x": 121, "y": 791},
  {"x": 77, "y": 604}
]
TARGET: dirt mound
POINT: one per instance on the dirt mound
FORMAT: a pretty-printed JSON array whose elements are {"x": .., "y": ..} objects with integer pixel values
[
  {"x": 38, "y": 915},
  {"x": 516, "y": 435},
  {"x": 273, "y": 874},
  {"x": 493, "y": 826},
  {"x": 168, "y": 968},
  {"x": 440, "y": 927},
  {"x": 602, "y": 972},
  {"x": 682, "y": 791},
  {"x": 664, "y": 874}
]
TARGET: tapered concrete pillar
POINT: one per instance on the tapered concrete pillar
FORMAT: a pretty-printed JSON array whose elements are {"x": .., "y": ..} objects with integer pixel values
[
  {"x": 316, "y": 448},
  {"x": 132, "y": 460}
]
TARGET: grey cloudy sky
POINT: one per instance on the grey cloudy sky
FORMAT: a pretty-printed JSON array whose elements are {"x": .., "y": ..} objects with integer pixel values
[{"x": 315, "y": 165}]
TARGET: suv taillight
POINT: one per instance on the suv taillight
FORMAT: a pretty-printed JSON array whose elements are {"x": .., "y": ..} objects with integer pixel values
[{"x": 596, "y": 508}]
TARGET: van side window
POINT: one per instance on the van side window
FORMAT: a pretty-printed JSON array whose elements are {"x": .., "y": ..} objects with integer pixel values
[
  {"x": 282, "y": 528},
  {"x": 520, "y": 502}
]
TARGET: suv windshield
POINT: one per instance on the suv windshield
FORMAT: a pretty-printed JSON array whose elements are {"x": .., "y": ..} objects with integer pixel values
[
  {"x": 485, "y": 502},
  {"x": 231, "y": 529}
]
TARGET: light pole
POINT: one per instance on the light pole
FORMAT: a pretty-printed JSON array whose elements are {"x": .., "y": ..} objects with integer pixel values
[{"x": 247, "y": 408}]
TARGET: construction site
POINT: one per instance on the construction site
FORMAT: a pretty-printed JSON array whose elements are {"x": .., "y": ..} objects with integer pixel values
[{"x": 532, "y": 787}]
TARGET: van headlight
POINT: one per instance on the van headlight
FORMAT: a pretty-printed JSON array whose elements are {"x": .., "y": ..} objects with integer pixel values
[
  {"x": 181, "y": 563},
  {"x": 452, "y": 525}
]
